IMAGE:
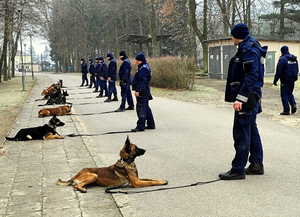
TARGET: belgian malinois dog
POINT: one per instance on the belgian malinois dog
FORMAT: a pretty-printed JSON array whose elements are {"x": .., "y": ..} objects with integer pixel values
[
  {"x": 58, "y": 111},
  {"x": 43, "y": 132},
  {"x": 121, "y": 173}
]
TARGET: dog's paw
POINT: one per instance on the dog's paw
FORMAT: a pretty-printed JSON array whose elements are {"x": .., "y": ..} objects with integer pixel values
[{"x": 83, "y": 190}]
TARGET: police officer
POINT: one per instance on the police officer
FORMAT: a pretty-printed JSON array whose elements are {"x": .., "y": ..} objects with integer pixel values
[
  {"x": 97, "y": 75},
  {"x": 140, "y": 85},
  {"x": 243, "y": 88},
  {"x": 103, "y": 78},
  {"x": 287, "y": 71},
  {"x": 125, "y": 80},
  {"x": 112, "y": 77},
  {"x": 92, "y": 72},
  {"x": 84, "y": 72}
]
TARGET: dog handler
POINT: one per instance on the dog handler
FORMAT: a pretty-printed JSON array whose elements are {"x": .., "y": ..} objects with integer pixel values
[
  {"x": 243, "y": 88},
  {"x": 287, "y": 71},
  {"x": 84, "y": 72},
  {"x": 125, "y": 80},
  {"x": 140, "y": 84}
]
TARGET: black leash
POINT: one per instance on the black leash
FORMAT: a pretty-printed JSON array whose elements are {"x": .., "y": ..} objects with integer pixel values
[
  {"x": 100, "y": 134},
  {"x": 100, "y": 113},
  {"x": 115, "y": 190},
  {"x": 87, "y": 103},
  {"x": 82, "y": 98}
]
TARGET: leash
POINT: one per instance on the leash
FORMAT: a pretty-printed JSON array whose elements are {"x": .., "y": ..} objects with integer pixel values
[
  {"x": 115, "y": 190},
  {"x": 100, "y": 134},
  {"x": 100, "y": 113}
]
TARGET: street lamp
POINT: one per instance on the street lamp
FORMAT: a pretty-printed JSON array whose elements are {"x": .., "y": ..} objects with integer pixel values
[
  {"x": 19, "y": 8},
  {"x": 25, "y": 59},
  {"x": 30, "y": 35}
]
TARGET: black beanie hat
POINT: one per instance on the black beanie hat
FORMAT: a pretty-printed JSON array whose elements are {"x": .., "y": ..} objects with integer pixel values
[
  {"x": 122, "y": 53},
  {"x": 140, "y": 57},
  {"x": 284, "y": 49},
  {"x": 240, "y": 31}
]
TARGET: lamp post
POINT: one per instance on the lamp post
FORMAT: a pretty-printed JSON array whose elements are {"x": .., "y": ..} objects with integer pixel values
[
  {"x": 25, "y": 59},
  {"x": 19, "y": 8},
  {"x": 30, "y": 35}
]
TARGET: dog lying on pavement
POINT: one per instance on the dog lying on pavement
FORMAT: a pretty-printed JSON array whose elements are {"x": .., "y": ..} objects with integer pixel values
[
  {"x": 121, "y": 173},
  {"x": 61, "y": 99},
  {"x": 48, "y": 131},
  {"x": 58, "y": 111}
]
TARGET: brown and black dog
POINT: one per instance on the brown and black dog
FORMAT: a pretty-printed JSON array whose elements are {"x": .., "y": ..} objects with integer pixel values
[
  {"x": 52, "y": 89},
  {"x": 58, "y": 111},
  {"x": 48, "y": 131},
  {"x": 121, "y": 173}
]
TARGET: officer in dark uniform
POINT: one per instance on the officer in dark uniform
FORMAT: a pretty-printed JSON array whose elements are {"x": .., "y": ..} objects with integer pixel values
[
  {"x": 84, "y": 72},
  {"x": 92, "y": 72},
  {"x": 140, "y": 85},
  {"x": 243, "y": 88},
  {"x": 103, "y": 78},
  {"x": 97, "y": 75},
  {"x": 287, "y": 71},
  {"x": 125, "y": 80},
  {"x": 112, "y": 77}
]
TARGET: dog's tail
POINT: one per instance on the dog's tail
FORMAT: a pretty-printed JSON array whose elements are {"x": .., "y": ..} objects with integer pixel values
[
  {"x": 10, "y": 138},
  {"x": 65, "y": 183}
]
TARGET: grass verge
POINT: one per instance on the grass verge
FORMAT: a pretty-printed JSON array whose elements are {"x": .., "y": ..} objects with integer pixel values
[{"x": 12, "y": 99}]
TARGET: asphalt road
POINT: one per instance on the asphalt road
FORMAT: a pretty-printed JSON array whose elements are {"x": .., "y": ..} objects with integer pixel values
[{"x": 191, "y": 143}]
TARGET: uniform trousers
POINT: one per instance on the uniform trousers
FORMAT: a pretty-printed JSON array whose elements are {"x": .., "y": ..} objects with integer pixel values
[{"x": 246, "y": 139}]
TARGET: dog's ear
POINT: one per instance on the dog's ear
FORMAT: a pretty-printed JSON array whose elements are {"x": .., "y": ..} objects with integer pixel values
[
  {"x": 54, "y": 116},
  {"x": 128, "y": 146}
]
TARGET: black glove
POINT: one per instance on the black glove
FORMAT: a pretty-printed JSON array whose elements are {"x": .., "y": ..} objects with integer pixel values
[{"x": 274, "y": 83}]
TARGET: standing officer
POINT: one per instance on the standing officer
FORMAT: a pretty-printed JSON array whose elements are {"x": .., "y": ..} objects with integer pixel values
[
  {"x": 103, "y": 78},
  {"x": 243, "y": 88},
  {"x": 112, "y": 77},
  {"x": 287, "y": 71},
  {"x": 97, "y": 75},
  {"x": 84, "y": 72},
  {"x": 92, "y": 72},
  {"x": 140, "y": 85},
  {"x": 125, "y": 80}
]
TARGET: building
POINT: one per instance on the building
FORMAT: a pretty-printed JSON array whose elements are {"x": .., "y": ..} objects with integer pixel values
[
  {"x": 27, "y": 62},
  {"x": 222, "y": 50}
]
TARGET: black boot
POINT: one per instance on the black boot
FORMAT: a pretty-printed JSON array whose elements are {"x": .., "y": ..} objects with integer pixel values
[
  {"x": 115, "y": 97},
  {"x": 108, "y": 99},
  {"x": 294, "y": 109}
]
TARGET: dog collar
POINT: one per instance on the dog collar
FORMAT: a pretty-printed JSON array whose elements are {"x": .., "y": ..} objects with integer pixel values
[
  {"x": 51, "y": 126},
  {"x": 129, "y": 160}
]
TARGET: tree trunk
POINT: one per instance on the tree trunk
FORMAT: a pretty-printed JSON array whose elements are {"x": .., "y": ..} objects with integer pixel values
[
  {"x": 152, "y": 27},
  {"x": 200, "y": 36},
  {"x": 3, "y": 60},
  {"x": 281, "y": 28}
]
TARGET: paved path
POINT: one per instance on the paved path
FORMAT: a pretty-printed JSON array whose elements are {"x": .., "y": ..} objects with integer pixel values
[
  {"x": 192, "y": 143},
  {"x": 29, "y": 170}
]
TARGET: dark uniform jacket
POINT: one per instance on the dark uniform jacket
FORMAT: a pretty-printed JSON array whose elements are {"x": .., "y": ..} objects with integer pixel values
[
  {"x": 84, "y": 68},
  {"x": 287, "y": 69},
  {"x": 103, "y": 70},
  {"x": 92, "y": 69},
  {"x": 112, "y": 67},
  {"x": 142, "y": 77},
  {"x": 124, "y": 71},
  {"x": 246, "y": 71}
]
